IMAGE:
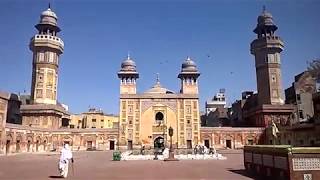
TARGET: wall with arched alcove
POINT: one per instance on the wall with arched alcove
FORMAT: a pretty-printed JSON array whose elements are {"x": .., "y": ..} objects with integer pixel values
[
  {"x": 24, "y": 139},
  {"x": 231, "y": 137}
]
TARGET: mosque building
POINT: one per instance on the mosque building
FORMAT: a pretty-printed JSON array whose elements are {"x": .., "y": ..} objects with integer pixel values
[{"x": 145, "y": 117}]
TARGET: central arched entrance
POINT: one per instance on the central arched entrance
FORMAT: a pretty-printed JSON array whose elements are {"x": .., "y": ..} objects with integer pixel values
[{"x": 159, "y": 143}]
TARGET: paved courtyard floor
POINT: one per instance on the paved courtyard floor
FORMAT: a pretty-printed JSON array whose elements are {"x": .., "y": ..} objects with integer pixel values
[{"x": 98, "y": 165}]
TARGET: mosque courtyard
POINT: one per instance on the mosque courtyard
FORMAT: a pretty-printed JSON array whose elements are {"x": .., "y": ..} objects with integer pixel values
[{"x": 98, "y": 165}]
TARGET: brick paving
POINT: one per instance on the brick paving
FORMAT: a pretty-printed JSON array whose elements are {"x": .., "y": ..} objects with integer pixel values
[{"x": 98, "y": 165}]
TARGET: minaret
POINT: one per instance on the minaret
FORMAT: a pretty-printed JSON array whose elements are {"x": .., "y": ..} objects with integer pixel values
[
  {"x": 128, "y": 76},
  {"x": 266, "y": 49},
  {"x": 46, "y": 47},
  {"x": 189, "y": 77}
]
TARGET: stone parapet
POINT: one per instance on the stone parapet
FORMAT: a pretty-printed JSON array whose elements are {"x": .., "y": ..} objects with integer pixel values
[
  {"x": 49, "y": 41},
  {"x": 282, "y": 162}
]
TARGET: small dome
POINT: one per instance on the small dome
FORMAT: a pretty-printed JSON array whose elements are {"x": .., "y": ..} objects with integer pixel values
[
  {"x": 265, "y": 23},
  {"x": 265, "y": 19},
  {"x": 189, "y": 66},
  {"x": 49, "y": 13},
  {"x": 158, "y": 89},
  {"x": 48, "y": 17},
  {"x": 128, "y": 65}
]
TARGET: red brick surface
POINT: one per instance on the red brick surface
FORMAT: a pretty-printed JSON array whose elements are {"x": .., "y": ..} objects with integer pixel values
[{"x": 98, "y": 165}]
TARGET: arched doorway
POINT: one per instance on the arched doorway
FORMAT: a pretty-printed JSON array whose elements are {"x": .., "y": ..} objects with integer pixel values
[
  {"x": 18, "y": 146},
  {"x": 38, "y": 140},
  {"x": 37, "y": 145},
  {"x": 9, "y": 142},
  {"x": 28, "y": 145},
  {"x": 8, "y": 147},
  {"x": 111, "y": 145},
  {"x": 159, "y": 143},
  {"x": 207, "y": 143},
  {"x": 45, "y": 145},
  {"x": 18, "y": 143}
]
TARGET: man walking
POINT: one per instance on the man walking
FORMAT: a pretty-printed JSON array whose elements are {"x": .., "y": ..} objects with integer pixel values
[{"x": 65, "y": 156}]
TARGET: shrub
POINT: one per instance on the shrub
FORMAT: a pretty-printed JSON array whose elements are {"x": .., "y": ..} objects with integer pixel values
[{"x": 116, "y": 155}]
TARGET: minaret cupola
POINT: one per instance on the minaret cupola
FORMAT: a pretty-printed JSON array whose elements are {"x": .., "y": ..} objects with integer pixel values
[
  {"x": 189, "y": 75},
  {"x": 128, "y": 75}
]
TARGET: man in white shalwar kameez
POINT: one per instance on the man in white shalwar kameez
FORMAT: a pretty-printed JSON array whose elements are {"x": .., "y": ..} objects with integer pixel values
[{"x": 66, "y": 155}]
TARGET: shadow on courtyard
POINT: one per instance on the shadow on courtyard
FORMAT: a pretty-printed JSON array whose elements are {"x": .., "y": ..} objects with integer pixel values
[
  {"x": 243, "y": 172},
  {"x": 55, "y": 177}
]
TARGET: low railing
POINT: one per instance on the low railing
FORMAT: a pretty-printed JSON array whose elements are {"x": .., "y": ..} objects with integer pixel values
[
  {"x": 46, "y": 36},
  {"x": 282, "y": 162}
]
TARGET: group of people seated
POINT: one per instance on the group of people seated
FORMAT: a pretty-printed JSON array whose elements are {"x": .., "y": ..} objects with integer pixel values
[{"x": 198, "y": 149}]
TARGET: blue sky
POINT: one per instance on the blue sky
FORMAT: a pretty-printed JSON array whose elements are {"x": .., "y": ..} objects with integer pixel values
[{"x": 159, "y": 35}]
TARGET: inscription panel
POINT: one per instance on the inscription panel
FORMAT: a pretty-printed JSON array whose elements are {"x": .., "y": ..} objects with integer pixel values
[{"x": 303, "y": 164}]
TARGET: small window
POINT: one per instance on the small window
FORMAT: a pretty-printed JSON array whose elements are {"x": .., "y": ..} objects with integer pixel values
[
  {"x": 94, "y": 120},
  {"x": 298, "y": 98},
  {"x": 130, "y": 119},
  {"x": 301, "y": 114},
  {"x": 273, "y": 78},
  {"x": 159, "y": 116},
  {"x": 130, "y": 109}
]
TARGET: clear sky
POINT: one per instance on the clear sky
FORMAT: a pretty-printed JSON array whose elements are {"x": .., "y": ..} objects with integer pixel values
[{"x": 159, "y": 35}]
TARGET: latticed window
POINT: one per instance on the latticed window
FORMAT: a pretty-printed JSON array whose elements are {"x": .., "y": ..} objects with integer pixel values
[
  {"x": 195, "y": 127},
  {"x": 41, "y": 56},
  {"x": 188, "y": 109},
  {"x": 130, "y": 107},
  {"x": 130, "y": 119},
  {"x": 45, "y": 121},
  {"x": 181, "y": 127},
  {"x": 123, "y": 104},
  {"x": 49, "y": 93},
  {"x": 195, "y": 104},
  {"x": 195, "y": 114},
  {"x": 39, "y": 93},
  {"x": 181, "y": 105}
]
